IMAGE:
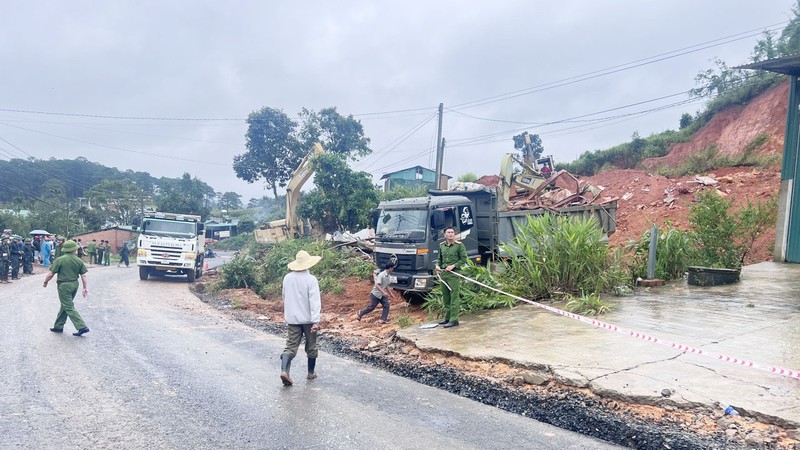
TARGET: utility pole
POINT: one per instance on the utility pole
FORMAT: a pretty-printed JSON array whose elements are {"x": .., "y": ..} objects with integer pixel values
[
  {"x": 66, "y": 236},
  {"x": 439, "y": 150}
]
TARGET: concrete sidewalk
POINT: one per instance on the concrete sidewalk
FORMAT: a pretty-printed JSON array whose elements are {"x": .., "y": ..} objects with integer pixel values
[{"x": 757, "y": 319}]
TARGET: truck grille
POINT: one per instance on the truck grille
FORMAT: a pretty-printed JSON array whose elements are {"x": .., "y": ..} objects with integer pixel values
[{"x": 405, "y": 263}]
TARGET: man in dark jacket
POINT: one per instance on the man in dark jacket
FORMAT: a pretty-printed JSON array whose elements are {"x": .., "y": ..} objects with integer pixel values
[
  {"x": 5, "y": 259},
  {"x": 27, "y": 257},
  {"x": 16, "y": 258}
]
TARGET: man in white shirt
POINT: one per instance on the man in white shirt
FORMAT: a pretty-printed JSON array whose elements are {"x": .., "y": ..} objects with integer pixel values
[{"x": 301, "y": 310}]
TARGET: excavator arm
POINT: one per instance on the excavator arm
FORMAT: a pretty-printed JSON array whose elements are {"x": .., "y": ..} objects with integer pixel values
[
  {"x": 290, "y": 227},
  {"x": 299, "y": 178}
]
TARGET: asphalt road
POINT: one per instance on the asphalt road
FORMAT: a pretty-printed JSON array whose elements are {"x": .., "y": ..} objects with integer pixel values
[{"x": 161, "y": 369}]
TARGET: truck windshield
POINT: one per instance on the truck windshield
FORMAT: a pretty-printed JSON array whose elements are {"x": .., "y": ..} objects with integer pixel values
[
  {"x": 174, "y": 228},
  {"x": 402, "y": 224}
]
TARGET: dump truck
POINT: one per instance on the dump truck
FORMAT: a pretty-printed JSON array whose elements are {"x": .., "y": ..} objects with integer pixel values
[
  {"x": 408, "y": 231},
  {"x": 171, "y": 243}
]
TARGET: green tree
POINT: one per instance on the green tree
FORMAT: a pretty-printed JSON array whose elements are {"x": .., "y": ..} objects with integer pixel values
[
  {"x": 536, "y": 146},
  {"x": 337, "y": 134},
  {"x": 341, "y": 199},
  {"x": 273, "y": 151},
  {"x": 119, "y": 199},
  {"x": 246, "y": 225},
  {"x": 230, "y": 201},
  {"x": 686, "y": 120},
  {"x": 186, "y": 195}
]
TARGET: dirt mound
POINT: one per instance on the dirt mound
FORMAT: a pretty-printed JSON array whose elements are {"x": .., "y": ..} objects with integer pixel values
[
  {"x": 646, "y": 199},
  {"x": 733, "y": 129}
]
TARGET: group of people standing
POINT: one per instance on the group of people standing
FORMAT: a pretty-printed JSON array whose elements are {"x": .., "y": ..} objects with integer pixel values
[
  {"x": 15, "y": 253},
  {"x": 98, "y": 253}
]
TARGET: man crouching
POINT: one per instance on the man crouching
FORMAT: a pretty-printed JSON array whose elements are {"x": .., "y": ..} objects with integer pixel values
[{"x": 301, "y": 310}]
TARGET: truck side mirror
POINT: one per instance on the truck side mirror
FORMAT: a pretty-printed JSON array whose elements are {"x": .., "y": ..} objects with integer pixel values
[
  {"x": 437, "y": 219},
  {"x": 200, "y": 228}
]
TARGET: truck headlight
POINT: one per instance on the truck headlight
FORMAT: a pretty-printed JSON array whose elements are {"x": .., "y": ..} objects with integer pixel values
[
  {"x": 190, "y": 256},
  {"x": 420, "y": 283},
  {"x": 143, "y": 252}
]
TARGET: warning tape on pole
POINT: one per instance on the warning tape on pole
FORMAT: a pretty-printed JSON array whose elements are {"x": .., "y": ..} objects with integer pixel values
[{"x": 646, "y": 337}]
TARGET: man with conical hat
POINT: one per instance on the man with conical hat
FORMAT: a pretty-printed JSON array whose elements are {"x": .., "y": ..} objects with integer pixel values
[
  {"x": 69, "y": 268},
  {"x": 301, "y": 310}
]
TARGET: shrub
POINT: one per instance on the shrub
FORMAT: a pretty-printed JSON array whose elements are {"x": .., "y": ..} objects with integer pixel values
[
  {"x": 587, "y": 305},
  {"x": 239, "y": 272},
  {"x": 473, "y": 297},
  {"x": 674, "y": 251},
  {"x": 560, "y": 255},
  {"x": 725, "y": 238}
]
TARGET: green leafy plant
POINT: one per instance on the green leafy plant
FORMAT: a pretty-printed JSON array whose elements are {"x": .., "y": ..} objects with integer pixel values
[
  {"x": 725, "y": 237},
  {"x": 587, "y": 304},
  {"x": 553, "y": 255},
  {"x": 674, "y": 251},
  {"x": 473, "y": 297},
  {"x": 239, "y": 272}
]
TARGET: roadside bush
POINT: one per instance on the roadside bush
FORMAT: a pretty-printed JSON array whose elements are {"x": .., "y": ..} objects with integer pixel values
[
  {"x": 674, "y": 251},
  {"x": 587, "y": 305},
  {"x": 473, "y": 297},
  {"x": 556, "y": 255},
  {"x": 724, "y": 238},
  {"x": 240, "y": 272}
]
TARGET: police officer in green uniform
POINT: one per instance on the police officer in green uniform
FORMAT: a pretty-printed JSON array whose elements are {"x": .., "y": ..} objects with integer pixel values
[
  {"x": 452, "y": 256},
  {"x": 68, "y": 267}
]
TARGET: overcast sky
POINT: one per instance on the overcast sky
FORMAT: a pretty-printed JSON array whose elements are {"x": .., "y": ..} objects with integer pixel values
[{"x": 125, "y": 83}]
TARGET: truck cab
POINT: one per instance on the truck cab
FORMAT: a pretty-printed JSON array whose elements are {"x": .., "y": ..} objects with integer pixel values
[
  {"x": 171, "y": 244},
  {"x": 408, "y": 233}
]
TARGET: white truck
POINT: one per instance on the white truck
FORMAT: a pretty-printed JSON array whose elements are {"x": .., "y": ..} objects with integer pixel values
[{"x": 171, "y": 244}]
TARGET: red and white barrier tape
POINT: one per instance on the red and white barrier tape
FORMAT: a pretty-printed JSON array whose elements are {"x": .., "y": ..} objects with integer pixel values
[{"x": 646, "y": 337}]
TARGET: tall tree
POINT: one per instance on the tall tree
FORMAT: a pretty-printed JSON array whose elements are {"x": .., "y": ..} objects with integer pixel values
[
  {"x": 273, "y": 151},
  {"x": 230, "y": 201},
  {"x": 342, "y": 198},
  {"x": 186, "y": 196},
  {"x": 337, "y": 134},
  {"x": 536, "y": 146},
  {"x": 276, "y": 144},
  {"x": 119, "y": 199}
]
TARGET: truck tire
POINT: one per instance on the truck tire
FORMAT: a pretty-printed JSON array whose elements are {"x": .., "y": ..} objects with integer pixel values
[
  {"x": 200, "y": 268},
  {"x": 190, "y": 275},
  {"x": 143, "y": 273}
]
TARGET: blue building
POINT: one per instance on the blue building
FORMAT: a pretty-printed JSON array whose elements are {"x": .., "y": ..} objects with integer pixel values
[{"x": 411, "y": 177}]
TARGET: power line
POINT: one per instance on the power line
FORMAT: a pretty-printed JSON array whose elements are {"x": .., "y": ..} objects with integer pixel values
[
  {"x": 618, "y": 68},
  {"x": 113, "y": 147}
]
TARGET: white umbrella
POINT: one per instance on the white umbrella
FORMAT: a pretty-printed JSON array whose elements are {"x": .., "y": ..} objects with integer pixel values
[{"x": 40, "y": 233}]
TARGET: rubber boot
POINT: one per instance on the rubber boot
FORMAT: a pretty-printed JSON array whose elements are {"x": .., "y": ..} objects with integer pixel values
[
  {"x": 286, "y": 365},
  {"x": 312, "y": 364}
]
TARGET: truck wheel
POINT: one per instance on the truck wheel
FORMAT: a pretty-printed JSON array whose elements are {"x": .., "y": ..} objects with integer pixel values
[
  {"x": 200, "y": 268},
  {"x": 190, "y": 276},
  {"x": 143, "y": 272}
]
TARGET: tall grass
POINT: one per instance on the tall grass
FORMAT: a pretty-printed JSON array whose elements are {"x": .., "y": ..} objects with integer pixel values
[
  {"x": 473, "y": 297},
  {"x": 674, "y": 251},
  {"x": 560, "y": 255}
]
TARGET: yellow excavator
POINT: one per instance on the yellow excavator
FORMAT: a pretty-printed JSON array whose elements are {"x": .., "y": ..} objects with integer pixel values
[{"x": 290, "y": 227}]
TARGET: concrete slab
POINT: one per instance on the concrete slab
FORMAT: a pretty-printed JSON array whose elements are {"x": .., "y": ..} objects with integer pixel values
[{"x": 757, "y": 319}]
